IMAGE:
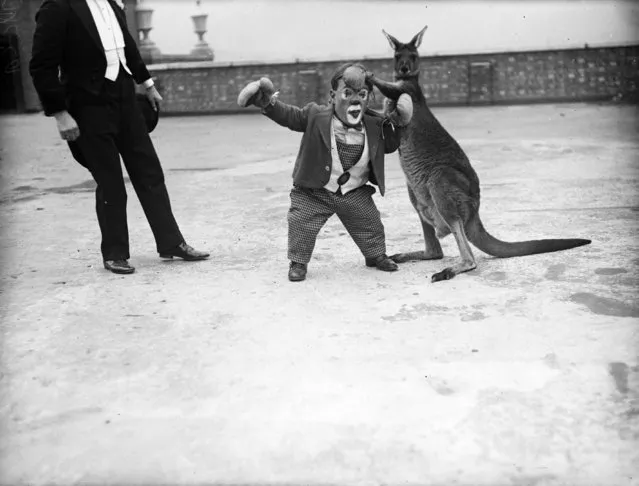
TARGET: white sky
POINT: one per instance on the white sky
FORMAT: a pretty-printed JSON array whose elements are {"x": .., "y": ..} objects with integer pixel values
[{"x": 283, "y": 30}]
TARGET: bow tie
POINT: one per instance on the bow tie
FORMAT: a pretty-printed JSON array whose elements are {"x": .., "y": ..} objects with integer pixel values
[{"x": 359, "y": 127}]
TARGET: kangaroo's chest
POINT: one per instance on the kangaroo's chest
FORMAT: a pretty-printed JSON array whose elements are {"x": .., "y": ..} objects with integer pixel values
[{"x": 416, "y": 160}]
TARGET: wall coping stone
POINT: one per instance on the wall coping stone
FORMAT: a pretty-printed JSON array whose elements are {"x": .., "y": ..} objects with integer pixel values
[{"x": 186, "y": 65}]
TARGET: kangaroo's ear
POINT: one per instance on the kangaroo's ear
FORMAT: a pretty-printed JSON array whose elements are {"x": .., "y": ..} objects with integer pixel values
[
  {"x": 417, "y": 40},
  {"x": 394, "y": 43}
]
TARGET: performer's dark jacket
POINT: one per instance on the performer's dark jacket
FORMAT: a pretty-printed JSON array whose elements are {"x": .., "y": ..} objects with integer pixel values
[{"x": 314, "y": 161}]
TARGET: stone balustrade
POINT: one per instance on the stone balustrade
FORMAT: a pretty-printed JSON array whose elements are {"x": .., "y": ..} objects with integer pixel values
[{"x": 148, "y": 49}]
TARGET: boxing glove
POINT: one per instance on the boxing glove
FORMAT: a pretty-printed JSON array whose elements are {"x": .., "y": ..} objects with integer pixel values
[
  {"x": 399, "y": 112},
  {"x": 257, "y": 93}
]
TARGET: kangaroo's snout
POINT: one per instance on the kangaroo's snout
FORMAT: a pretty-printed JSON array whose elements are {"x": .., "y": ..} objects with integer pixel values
[{"x": 403, "y": 65}]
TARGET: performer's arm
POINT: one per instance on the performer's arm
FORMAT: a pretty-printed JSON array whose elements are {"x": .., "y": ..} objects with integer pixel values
[{"x": 289, "y": 116}]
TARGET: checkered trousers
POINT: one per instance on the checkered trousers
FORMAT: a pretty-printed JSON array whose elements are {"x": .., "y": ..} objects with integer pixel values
[{"x": 311, "y": 208}]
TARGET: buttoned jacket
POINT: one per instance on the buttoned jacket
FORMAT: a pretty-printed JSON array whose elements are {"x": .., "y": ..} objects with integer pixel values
[{"x": 314, "y": 161}]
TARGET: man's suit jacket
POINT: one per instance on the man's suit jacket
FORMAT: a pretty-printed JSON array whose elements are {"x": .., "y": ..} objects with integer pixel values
[
  {"x": 314, "y": 160},
  {"x": 68, "y": 56}
]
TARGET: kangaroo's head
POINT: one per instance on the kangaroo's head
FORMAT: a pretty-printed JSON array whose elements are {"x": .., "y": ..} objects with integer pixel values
[{"x": 406, "y": 56}]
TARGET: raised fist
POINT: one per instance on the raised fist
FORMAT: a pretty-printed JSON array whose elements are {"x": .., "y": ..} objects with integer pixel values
[
  {"x": 399, "y": 112},
  {"x": 258, "y": 93}
]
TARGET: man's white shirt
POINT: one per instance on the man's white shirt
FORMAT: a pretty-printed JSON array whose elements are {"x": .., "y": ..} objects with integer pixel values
[{"x": 112, "y": 39}]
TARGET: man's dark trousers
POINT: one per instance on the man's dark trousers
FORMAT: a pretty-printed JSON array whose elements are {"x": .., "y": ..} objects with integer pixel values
[{"x": 112, "y": 124}]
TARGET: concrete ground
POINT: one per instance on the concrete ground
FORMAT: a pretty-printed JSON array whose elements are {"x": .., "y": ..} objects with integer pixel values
[{"x": 523, "y": 372}]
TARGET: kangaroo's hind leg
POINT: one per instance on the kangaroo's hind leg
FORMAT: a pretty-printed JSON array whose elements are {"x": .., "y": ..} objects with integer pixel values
[
  {"x": 467, "y": 258},
  {"x": 432, "y": 250},
  {"x": 453, "y": 208}
]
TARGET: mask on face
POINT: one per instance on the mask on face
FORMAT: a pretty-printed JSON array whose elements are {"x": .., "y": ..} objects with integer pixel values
[{"x": 351, "y": 97}]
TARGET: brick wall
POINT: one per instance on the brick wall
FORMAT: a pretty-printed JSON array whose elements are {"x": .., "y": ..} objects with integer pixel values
[{"x": 543, "y": 76}]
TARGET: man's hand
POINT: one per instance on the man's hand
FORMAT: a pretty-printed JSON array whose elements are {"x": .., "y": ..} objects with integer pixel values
[
  {"x": 67, "y": 126},
  {"x": 154, "y": 97}
]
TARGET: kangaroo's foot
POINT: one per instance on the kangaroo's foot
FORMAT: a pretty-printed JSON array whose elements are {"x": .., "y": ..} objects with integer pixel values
[
  {"x": 415, "y": 256},
  {"x": 450, "y": 272}
]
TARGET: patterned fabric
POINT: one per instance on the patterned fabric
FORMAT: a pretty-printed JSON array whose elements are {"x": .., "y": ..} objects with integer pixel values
[
  {"x": 350, "y": 143},
  {"x": 311, "y": 208},
  {"x": 349, "y": 154}
]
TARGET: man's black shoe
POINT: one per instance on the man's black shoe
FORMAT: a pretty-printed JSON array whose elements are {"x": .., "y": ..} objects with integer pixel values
[
  {"x": 297, "y": 272},
  {"x": 185, "y": 252},
  {"x": 382, "y": 263},
  {"x": 119, "y": 266}
]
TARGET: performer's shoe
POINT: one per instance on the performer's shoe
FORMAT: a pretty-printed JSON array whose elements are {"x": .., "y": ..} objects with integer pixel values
[
  {"x": 383, "y": 263},
  {"x": 185, "y": 252},
  {"x": 119, "y": 266},
  {"x": 297, "y": 272}
]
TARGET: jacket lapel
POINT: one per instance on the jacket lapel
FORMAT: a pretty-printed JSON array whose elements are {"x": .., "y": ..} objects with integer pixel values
[
  {"x": 81, "y": 9},
  {"x": 372, "y": 134},
  {"x": 119, "y": 14}
]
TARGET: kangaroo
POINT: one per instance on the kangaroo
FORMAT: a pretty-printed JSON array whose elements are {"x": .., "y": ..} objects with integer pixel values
[{"x": 442, "y": 185}]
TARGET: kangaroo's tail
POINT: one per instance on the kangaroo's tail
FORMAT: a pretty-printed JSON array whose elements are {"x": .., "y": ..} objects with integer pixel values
[{"x": 479, "y": 237}]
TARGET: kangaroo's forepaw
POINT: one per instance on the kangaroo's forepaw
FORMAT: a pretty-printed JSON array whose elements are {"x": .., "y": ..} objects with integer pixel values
[{"x": 445, "y": 274}]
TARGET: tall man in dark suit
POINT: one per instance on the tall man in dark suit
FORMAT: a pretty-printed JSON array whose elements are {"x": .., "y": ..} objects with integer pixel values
[{"x": 84, "y": 64}]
